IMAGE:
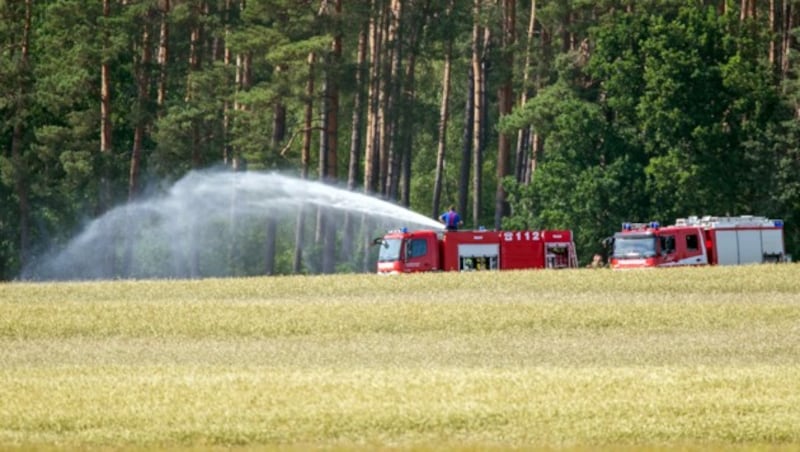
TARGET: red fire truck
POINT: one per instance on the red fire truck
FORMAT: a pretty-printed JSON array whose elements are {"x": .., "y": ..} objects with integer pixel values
[
  {"x": 404, "y": 251},
  {"x": 699, "y": 241}
]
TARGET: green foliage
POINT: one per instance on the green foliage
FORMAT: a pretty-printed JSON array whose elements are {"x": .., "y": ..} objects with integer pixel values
[
  {"x": 647, "y": 109},
  {"x": 588, "y": 181},
  {"x": 190, "y": 132},
  {"x": 672, "y": 115}
]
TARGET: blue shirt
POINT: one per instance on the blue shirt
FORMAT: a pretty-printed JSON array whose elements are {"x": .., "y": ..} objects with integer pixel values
[{"x": 451, "y": 219}]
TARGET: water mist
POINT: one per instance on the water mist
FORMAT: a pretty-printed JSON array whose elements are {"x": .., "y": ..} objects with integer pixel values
[{"x": 213, "y": 223}]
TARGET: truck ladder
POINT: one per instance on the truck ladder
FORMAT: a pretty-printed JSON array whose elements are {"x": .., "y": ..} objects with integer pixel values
[{"x": 573, "y": 256}]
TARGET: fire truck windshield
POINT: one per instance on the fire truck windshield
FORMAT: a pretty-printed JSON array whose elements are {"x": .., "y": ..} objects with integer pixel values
[
  {"x": 390, "y": 250},
  {"x": 634, "y": 246}
]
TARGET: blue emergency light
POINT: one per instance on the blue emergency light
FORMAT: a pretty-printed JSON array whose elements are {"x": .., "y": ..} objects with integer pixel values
[{"x": 778, "y": 223}]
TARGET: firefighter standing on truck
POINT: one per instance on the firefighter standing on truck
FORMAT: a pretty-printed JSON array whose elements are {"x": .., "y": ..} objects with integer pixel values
[{"x": 451, "y": 219}]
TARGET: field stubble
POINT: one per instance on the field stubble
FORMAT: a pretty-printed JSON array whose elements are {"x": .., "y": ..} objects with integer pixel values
[{"x": 685, "y": 358}]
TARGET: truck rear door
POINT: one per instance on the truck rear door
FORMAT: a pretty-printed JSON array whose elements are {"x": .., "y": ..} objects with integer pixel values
[{"x": 746, "y": 246}]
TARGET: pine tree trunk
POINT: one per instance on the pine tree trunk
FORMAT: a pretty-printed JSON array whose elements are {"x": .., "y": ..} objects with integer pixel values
[
  {"x": 523, "y": 136},
  {"x": 537, "y": 150},
  {"x": 786, "y": 38},
  {"x": 774, "y": 33},
  {"x": 332, "y": 93},
  {"x": 271, "y": 229},
  {"x": 105, "y": 119},
  {"x": 323, "y": 214},
  {"x": 109, "y": 261},
  {"x": 504, "y": 100},
  {"x": 163, "y": 55},
  {"x": 143, "y": 98},
  {"x": 406, "y": 132},
  {"x": 479, "y": 34},
  {"x": 355, "y": 142},
  {"x": 227, "y": 149},
  {"x": 325, "y": 235},
  {"x": 17, "y": 137},
  {"x": 443, "y": 116},
  {"x": 195, "y": 41},
  {"x": 567, "y": 37},
  {"x": 392, "y": 113},
  {"x": 467, "y": 142},
  {"x": 371, "y": 151},
  {"x": 747, "y": 9},
  {"x": 194, "y": 66},
  {"x": 407, "y": 95},
  {"x": 358, "y": 114},
  {"x": 384, "y": 98},
  {"x": 536, "y": 156},
  {"x": 330, "y": 130},
  {"x": 305, "y": 158}
]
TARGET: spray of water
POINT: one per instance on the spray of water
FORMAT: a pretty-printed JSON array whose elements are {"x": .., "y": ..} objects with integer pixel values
[{"x": 212, "y": 223}]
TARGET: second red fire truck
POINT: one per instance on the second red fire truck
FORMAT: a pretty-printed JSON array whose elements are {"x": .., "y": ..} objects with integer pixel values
[
  {"x": 699, "y": 241},
  {"x": 404, "y": 251}
]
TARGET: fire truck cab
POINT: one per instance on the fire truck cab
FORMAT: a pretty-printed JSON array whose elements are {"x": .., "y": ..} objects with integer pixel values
[
  {"x": 699, "y": 241},
  {"x": 404, "y": 251}
]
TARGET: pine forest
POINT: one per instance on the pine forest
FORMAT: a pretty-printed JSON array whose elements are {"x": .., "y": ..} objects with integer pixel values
[{"x": 560, "y": 114}]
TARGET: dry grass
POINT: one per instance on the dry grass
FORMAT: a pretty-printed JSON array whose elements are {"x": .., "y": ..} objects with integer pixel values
[{"x": 697, "y": 359}]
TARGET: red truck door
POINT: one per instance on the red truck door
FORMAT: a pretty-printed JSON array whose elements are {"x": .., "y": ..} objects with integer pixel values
[
  {"x": 421, "y": 253},
  {"x": 682, "y": 246},
  {"x": 691, "y": 247}
]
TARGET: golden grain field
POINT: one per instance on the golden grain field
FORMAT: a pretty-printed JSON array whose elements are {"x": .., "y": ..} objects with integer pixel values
[{"x": 680, "y": 359}]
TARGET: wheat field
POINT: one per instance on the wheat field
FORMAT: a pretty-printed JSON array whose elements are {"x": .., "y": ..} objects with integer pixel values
[{"x": 678, "y": 359}]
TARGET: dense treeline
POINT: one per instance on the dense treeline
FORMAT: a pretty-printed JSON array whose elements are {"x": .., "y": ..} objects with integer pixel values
[{"x": 544, "y": 114}]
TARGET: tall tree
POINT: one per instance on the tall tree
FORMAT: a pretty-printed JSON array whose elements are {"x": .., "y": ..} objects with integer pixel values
[
  {"x": 357, "y": 120},
  {"x": 19, "y": 53},
  {"x": 389, "y": 95},
  {"x": 467, "y": 142},
  {"x": 505, "y": 102},
  {"x": 163, "y": 54},
  {"x": 373, "y": 133},
  {"x": 521, "y": 157},
  {"x": 271, "y": 229},
  {"x": 787, "y": 41},
  {"x": 443, "y": 117},
  {"x": 105, "y": 112},
  {"x": 417, "y": 21},
  {"x": 480, "y": 43},
  {"x": 297, "y": 264},
  {"x": 227, "y": 61},
  {"x": 330, "y": 127},
  {"x": 633, "y": 108},
  {"x": 198, "y": 12},
  {"x": 142, "y": 115},
  {"x": 354, "y": 159}
]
